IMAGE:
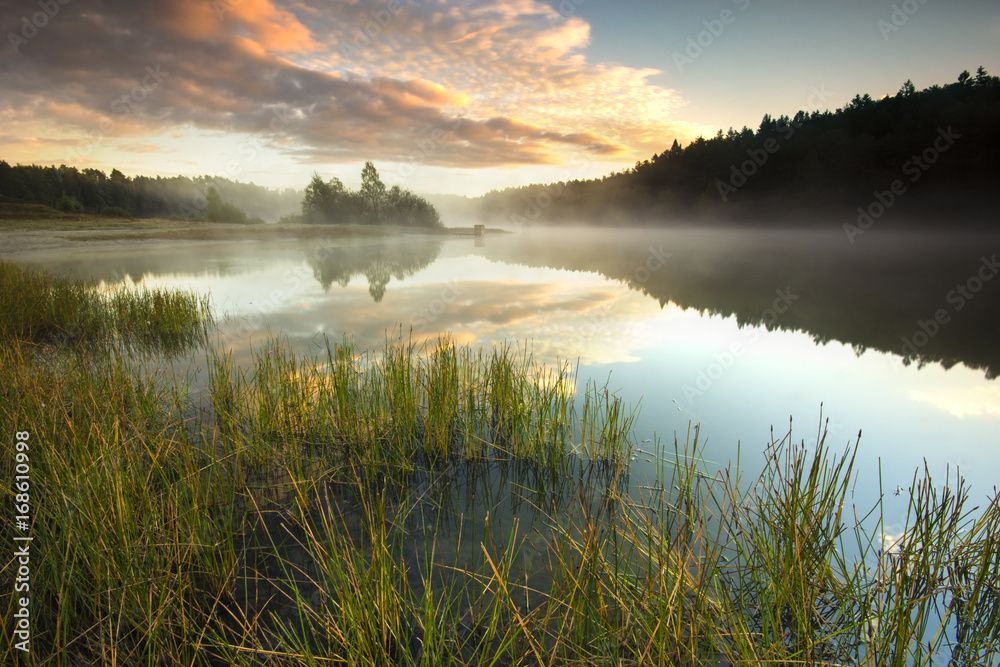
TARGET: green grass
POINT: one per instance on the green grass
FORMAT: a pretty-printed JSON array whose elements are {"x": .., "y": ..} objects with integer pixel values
[
  {"x": 39, "y": 308},
  {"x": 441, "y": 505}
]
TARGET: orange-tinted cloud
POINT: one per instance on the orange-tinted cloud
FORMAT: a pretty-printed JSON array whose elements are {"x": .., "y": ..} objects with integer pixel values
[
  {"x": 491, "y": 84},
  {"x": 274, "y": 29}
]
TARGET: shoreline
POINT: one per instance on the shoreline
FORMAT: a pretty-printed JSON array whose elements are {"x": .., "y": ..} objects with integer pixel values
[{"x": 27, "y": 238}]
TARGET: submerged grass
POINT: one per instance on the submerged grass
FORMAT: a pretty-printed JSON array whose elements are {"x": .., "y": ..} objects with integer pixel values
[{"x": 443, "y": 505}]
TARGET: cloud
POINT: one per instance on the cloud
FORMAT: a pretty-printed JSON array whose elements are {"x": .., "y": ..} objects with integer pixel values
[
  {"x": 977, "y": 401},
  {"x": 491, "y": 84}
]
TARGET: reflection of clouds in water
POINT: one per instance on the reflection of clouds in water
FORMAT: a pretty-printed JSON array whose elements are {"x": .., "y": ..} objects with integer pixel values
[
  {"x": 597, "y": 324},
  {"x": 564, "y": 315},
  {"x": 962, "y": 401},
  {"x": 567, "y": 312},
  {"x": 892, "y": 541},
  {"x": 563, "y": 320}
]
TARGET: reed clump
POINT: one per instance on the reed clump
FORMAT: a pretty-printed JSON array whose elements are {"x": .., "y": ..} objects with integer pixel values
[
  {"x": 431, "y": 404},
  {"x": 40, "y": 308}
]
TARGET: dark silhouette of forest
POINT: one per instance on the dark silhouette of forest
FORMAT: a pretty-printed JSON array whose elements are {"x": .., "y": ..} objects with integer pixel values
[
  {"x": 92, "y": 191},
  {"x": 913, "y": 154}
]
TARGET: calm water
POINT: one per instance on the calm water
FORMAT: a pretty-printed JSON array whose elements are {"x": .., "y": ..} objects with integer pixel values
[{"x": 736, "y": 331}]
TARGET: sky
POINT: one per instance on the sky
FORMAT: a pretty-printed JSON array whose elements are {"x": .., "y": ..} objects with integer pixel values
[{"x": 445, "y": 97}]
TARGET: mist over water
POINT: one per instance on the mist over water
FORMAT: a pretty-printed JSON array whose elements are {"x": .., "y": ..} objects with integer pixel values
[{"x": 737, "y": 330}]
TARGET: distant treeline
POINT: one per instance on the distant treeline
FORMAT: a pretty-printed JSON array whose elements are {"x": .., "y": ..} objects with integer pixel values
[
  {"x": 919, "y": 152},
  {"x": 93, "y": 191}
]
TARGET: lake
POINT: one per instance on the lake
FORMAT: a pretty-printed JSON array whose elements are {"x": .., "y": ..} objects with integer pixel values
[{"x": 894, "y": 336}]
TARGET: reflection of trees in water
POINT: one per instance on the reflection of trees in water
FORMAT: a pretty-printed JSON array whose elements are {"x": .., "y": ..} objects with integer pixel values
[
  {"x": 869, "y": 297},
  {"x": 378, "y": 262},
  {"x": 135, "y": 264}
]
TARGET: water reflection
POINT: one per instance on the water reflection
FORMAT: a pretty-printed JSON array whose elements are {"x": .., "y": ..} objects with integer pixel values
[
  {"x": 135, "y": 263},
  {"x": 926, "y": 297},
  {"x": 920, "y": 296},
  {"x": 377, "y": 262},
  {"x": 437, "y": 522},
  {"x": 815, "y": 319}
]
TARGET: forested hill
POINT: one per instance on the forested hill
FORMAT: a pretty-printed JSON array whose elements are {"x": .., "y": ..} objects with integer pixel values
[
  {"x": 141, "y": 196},
  {"x": 913, "y": 154}
]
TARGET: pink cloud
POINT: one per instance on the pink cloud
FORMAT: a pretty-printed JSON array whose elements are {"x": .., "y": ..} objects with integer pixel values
[{"x": 497, "y": 84}]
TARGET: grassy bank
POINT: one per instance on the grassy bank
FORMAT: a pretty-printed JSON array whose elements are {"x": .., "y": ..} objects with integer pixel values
[{"x": 440, "y": 505}]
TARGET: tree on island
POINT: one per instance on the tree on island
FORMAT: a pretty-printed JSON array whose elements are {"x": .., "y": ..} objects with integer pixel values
[
  {"x": 330, "y": 202},
  {"x": 327, "y": 202},
  {"x": 373, "y": 196},
  {"x": 405, "y": 208}
]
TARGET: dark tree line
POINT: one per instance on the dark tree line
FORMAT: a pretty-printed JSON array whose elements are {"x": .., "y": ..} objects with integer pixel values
[
  {"x": 331, "y": 202},
  {"x": 93, "y": 191},
  {"x": 812, "y": 163}
]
